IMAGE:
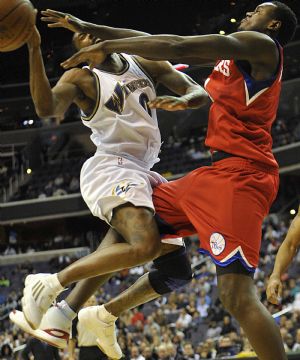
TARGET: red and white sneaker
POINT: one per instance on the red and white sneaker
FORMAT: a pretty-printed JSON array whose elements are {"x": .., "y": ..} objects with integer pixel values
[
  {"x": 54, "y": 329},
  {"x": 38, "y": 295}
]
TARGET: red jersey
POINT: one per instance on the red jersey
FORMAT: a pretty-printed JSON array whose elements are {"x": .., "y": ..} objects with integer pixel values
[{"x": 243, "y": 111}]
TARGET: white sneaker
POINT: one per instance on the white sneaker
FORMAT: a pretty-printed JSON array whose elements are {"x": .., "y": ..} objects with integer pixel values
[
  {"x": 39, "y": 293},
  {"x": 55, "y": 327},
  {"x": 93, "y": 318}
]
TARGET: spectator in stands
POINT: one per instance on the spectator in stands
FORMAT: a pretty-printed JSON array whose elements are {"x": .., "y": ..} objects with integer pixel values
[
  {"x": 3, "y": 170},
  {"x": 227, "y": 326},
  {"x": 6, "y": 352},
  {"x": 148, "y": 353},
  {"x": 226, "y": 347},
  {"x": 183, "y": 320},
  {"x": 135, "y": 354},
  {"x": 214, "y": 330},
  {"x": 203, "y": 307},
  {"x": 296, "y": 346},
  {"x": 189, "y": 353},
  {"x": 137, "y": 316}
]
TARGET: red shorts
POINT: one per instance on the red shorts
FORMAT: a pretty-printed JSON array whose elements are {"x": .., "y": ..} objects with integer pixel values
[{"x": 225, "y": 204}]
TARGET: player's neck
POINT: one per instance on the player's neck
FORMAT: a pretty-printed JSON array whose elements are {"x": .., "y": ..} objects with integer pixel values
[{"x": 113, "y": 63}]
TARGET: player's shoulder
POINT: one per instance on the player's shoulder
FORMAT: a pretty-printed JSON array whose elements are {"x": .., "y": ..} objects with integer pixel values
[
  {"x": 259, "y": 47},
  {"x": 254, "y": 38},
  {"x": 76, "y": 74}
]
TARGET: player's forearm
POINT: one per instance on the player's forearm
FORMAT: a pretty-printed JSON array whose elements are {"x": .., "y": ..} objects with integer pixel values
[
  {"x": 196, "y": 97},
  {"x": 110, "y": 33},
  {"x": 168, "y": 47},
  {"x": 155, "y": 48},
  {"x": 284, "y": 257},
  {"x": 39, "y": 84}
]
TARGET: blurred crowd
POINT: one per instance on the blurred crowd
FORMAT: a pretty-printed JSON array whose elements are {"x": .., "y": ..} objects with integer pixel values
[
  {"x": 188, "y": 324},
  {"x": 59, "y": 169}
]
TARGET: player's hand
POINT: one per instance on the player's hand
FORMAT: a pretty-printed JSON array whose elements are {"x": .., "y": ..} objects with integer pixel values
[
  {"x": 274, "y": 290},
  {"x": 93, "y": 55},
  {"x": 57, "y": 19},
  {"x": 170, "y": 103}
]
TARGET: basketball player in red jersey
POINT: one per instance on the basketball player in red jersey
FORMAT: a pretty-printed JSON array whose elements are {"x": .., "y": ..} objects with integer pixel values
[{"x": 227, "y": 201}]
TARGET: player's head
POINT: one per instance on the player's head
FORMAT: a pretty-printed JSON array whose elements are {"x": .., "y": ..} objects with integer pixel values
[
  {"x": 82, "y": 40},
  {"x": 92, "y": 301},
  {"x": 273, "y": 18}
]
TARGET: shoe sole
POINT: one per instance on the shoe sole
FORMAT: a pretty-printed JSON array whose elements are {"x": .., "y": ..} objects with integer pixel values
[
  {"x": 101, "y": 348},
  {"x": 34, "y": 334}
]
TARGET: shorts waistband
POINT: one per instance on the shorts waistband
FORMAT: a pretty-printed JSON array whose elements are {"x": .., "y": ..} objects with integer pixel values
[{"x": 217, "y": 156}]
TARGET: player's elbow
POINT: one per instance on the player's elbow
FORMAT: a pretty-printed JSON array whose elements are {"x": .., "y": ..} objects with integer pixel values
[
  {"x": 177, "y": 49},
  {"x": 44, "y": 113}
]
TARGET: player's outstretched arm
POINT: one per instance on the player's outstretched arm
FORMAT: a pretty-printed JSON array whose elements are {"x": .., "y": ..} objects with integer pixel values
[
  {"x": 56, "y": 19},
  {"x": 48, "y": 102},
  {"x": 190, "y": 49},
  {"x": 192, "y": 94},
  {"x": 284, "y": 257}
]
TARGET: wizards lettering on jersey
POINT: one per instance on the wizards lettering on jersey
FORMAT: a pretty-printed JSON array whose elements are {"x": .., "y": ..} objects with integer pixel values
[
  {"x": 223, "y": 67},
  {"x": 122, "y": 188},
  {"x": 121, "y": 91}
]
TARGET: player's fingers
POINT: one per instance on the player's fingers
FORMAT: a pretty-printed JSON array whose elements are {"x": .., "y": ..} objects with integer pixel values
[
  {"x": 54, "y": 25},
  {"x": 280, "y": 290},
  {"x": 72, "y": 61},
  {"x": 55, "y": 13},
  {"x": 272, "y": 294},
  {"x": 49, "y": 19}
]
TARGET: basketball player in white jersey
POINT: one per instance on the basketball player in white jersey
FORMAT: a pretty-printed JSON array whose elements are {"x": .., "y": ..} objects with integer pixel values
[{"x": 116, "y": 183}]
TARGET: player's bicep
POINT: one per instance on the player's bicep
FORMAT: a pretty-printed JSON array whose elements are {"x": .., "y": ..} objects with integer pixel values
[
  {"x": 237, "y": 46},
  {"x": 64, "y": 93}
]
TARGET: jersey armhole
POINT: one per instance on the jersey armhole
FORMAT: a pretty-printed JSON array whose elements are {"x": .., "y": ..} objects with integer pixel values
[
  {"x": 144, "y": 71},
  {"x": 85, "y": 117}
]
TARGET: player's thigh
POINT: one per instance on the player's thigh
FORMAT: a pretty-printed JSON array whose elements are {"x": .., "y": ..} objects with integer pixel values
[
  {"x": 112, "y": 237},
  {"x": 136, "y": 225}
]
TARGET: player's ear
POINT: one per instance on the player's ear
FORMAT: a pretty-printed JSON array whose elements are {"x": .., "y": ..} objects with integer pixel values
[{"x": 274, "y": 25}]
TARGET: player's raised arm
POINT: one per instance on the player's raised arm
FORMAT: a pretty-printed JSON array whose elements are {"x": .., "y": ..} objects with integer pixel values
[
  {"x": 284, "y": 257},
  {"x": 192, "y": 94},
  {"x": 48, "y": 102},
  {"x": 57, "y": 19},
  {"x": 190, "y": 49}
]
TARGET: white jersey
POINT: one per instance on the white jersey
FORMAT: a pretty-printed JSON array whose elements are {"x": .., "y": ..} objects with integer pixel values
[{"x": 122, "y": 123}]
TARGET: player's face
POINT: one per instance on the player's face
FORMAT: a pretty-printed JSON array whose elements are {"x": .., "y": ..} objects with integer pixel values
[
  {"x": 81, "y": 40},
  {"x": 259, "y": 19}
]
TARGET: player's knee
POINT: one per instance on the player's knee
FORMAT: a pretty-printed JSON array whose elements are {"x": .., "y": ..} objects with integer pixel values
[
  {"x": 172, "y": 272},
  {"x": 234, "y": 300},
  {"x": 148, "y": 250}
]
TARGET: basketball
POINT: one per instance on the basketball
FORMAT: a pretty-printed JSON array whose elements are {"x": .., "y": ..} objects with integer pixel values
[{"x": 16, "y": 21}]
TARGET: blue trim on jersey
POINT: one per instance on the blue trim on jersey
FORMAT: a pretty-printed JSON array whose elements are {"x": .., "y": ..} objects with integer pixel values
[
  {"x": 235, "y": 257},
  {"x": 254, "y": 86}
]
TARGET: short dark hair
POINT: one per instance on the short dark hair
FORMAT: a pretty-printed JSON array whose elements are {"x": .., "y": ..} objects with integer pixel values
[{"x": 288, "y": 20}]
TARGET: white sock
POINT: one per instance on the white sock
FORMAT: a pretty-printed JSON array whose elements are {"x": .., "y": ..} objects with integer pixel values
[
  {"x": 66, "y": 310},
  {"x": 105, "y": 315},
  {"x": 54, "y": 283}
]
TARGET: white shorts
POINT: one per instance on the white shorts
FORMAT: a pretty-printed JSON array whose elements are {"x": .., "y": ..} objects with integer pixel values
[{"x": 108, "y": 181}]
